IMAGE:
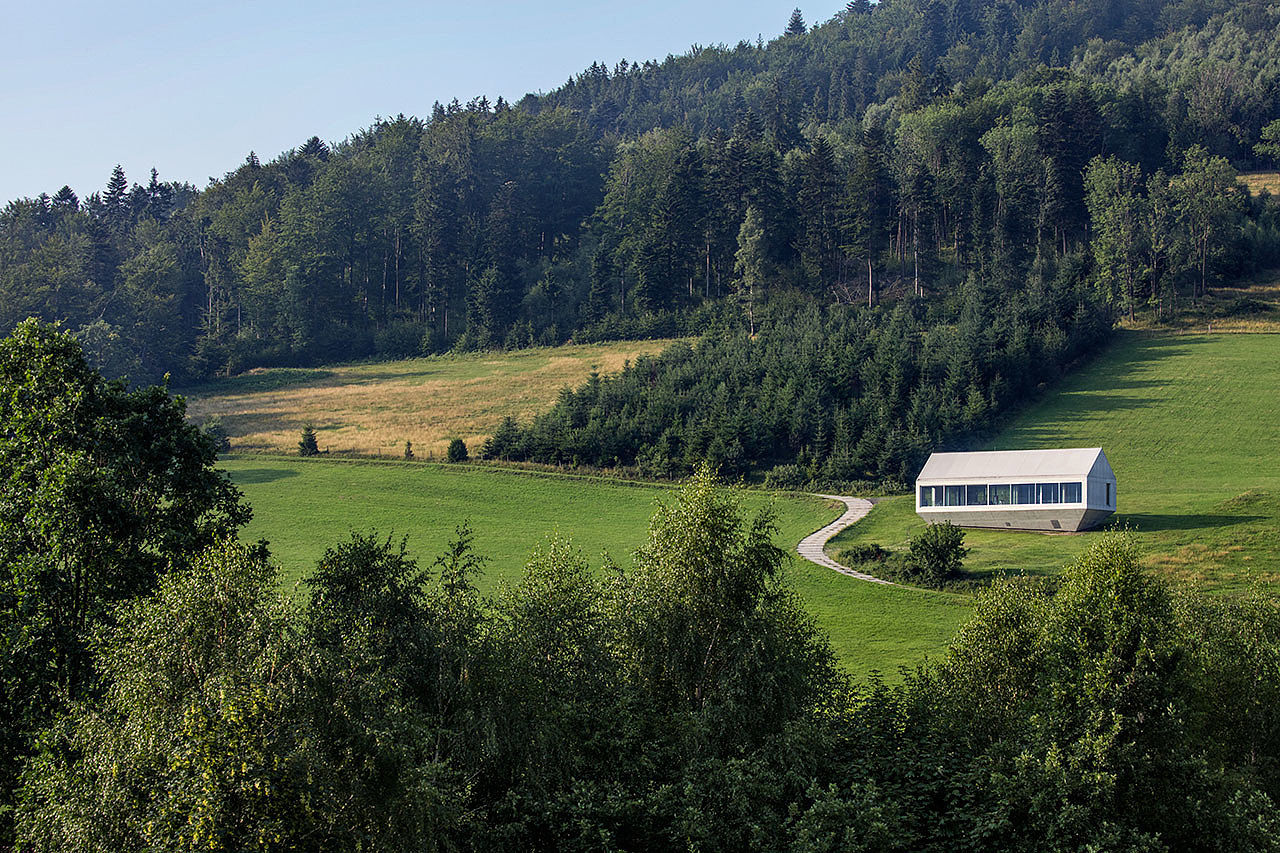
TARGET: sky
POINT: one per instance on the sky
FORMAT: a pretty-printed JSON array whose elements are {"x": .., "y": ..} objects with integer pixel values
[{"x": 191, "y": 87}]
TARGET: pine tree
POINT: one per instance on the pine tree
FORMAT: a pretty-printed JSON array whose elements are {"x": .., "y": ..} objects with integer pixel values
[
  {"x": 65, "y": 201},
  {"x": 307, "y": 444},
  {"x": 115, "y": 201},
  {"x": 796, "y": 27},
  {"x": 316, "y": 148}
]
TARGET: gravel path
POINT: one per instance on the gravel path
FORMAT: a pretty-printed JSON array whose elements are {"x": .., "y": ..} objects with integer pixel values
[{"x": 811, "y": 547}]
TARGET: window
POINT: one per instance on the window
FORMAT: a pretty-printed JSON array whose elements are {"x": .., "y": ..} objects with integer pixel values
[
  {"x": 1108, "y": 494},
  {"x": 1050, "y": 493},
  {"x": 975, "y": 495},
  {"x": 1002, "y": 494},
  {"x": 1071, "y": 493},
  {"x": 926, "y": 496},
  {"x": 955, "y": 495},
  {"x": 1024, "y": 493}
]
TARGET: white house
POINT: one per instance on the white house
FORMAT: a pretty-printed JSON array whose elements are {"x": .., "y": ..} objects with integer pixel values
[{"x": 1071, "y": 489}]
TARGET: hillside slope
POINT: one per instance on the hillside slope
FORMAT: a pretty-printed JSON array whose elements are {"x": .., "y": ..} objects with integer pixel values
[{"x": 1191, "y": 425}]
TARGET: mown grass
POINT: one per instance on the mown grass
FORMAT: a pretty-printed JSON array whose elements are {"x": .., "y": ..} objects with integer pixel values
[
  {"x": 1191, "y": 425},
  {"x": 303, "y": 506},
  {"x": 373, "y": 409}
]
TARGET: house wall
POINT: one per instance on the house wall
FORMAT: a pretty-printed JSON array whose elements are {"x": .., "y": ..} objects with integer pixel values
[{"x": 1066, "y": 517}]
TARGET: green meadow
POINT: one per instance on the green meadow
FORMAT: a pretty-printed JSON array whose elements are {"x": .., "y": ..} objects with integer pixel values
[
  {"x": 1191, "y": 425},
  {"x": 302, "y": 506}
]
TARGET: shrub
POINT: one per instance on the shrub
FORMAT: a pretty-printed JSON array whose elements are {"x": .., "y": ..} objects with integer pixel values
[
  {"x": 457, "y": 451},
  {"x": 937, "y": 553},
  {"x": 870, "y": 553},
  {"x": 408, "y": 449},
  {"x": 785, "y": 477}
]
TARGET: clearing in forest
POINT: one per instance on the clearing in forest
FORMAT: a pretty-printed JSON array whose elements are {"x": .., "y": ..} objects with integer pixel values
[{"x": 372, "y": 409}]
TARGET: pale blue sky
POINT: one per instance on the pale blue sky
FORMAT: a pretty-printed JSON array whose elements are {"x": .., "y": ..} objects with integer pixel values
[{"x": 192, "y": 88}]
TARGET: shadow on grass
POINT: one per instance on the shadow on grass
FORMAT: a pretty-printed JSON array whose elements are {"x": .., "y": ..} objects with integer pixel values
[
  {"x": 1095, "y": 391},
  {"x": 1150, "y": 522},
  {"x": 270, "y": 379},
  {"x": 253, "y": 476}
]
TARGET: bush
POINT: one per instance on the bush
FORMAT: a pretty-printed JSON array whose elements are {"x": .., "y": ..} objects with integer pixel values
[
  {"x": 400, "y": 339},
  {"x": 307, "y": 443},
  {"x": 870, "y": 553},
  {"x": 785, "y": 477},
  {"x": 408, "y": 450},
  {"x": 457, "y": 451},
  {"x": 937, "y": 553}
]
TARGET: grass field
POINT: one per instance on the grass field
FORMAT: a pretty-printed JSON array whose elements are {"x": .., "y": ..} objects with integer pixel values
[
  {"x": 372, "y": 409},
  {"x": 303, "y": 506},
  {"x": 1190, "y": 422},
  {"x": 1191, "y": 425}
]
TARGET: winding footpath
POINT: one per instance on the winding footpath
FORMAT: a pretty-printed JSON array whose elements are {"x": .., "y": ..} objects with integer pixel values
[{"x": 811, "y": 547}]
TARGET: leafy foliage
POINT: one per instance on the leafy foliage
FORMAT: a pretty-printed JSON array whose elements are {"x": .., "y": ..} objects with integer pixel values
[
  {"x": 101, "y": 488},
  {"x": 937, "y": 553}
]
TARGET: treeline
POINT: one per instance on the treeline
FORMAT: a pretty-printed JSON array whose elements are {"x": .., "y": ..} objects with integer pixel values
[
  {"x": 829, "y": 395},
  {"x": 161, "y": 692},
  {"x": 902, "y": 148}
]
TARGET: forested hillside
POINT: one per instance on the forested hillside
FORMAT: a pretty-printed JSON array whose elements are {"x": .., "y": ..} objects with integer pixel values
[{"x": 1048, "y": 166}]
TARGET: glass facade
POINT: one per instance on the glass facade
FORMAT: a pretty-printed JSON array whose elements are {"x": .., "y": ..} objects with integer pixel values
[
  {"x": 1049, "y": 493},
  {"x": 1004, "y": 494}
]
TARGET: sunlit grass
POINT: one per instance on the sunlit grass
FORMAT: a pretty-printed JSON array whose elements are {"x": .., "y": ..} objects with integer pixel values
[
  {"x": 303, "y": 506},
  {"x": 1259, "y": 181},
  {"x": 373, "y": 409},
  {"x": 1191, "y": 425}
]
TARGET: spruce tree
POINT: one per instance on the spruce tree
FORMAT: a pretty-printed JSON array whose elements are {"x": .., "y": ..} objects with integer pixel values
[
  {"x": 796, "y": 27},
  {"x": 307, "y": 444}
]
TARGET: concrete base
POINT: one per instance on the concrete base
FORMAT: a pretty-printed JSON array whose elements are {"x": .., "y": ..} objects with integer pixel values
[{"x": 1040, "y": 517}]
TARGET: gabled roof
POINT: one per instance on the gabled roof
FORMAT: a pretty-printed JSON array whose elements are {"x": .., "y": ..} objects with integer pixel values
[{"x": 1003, "y": 464}]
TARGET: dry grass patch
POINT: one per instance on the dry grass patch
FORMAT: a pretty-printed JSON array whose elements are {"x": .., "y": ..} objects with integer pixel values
[
  {"x": 1258, "y": 181},
  {"x": 372, "y": 409}
]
